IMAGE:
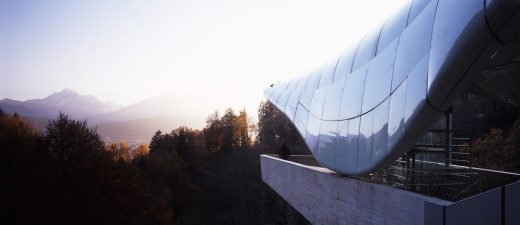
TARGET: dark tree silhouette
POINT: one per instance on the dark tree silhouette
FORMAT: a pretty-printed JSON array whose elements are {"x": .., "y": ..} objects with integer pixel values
[
  {"x": 212, "y": 135},
  {"x": 498, "y": 150},
  {"x": 274, "y": 128},
  {"x": 67, "y": 177}
]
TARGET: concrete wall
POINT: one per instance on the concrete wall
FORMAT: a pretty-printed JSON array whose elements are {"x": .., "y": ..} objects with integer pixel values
[
  {"x": 512, "y": 203},
  {"x": 482, "y": 209},
  {"x": 325, "y": 197},
  {"x": 495, "y": 207}
]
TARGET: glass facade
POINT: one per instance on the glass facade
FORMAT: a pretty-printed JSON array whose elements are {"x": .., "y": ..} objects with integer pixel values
[
  {"x": 328, "y": 143},
  {"x": 292, "y": 103},
  {"x": 448, "y": 33},
  {"x": 333, "y": 100},
  {"x": 313, "y": 134},
  {"x": 318, "y": 99},
  {"x": 370, "y": 104},
  {"x": 352, "y": 97},
  {"x": 414, "y": 43},
  {"x": 327, "y": 76},
  {"x": 396, "y": 115},
  {"x": 364, "y": 154},
  {"x": 366, "y": 49},
  {"x": 379, "y": 78},
  {"x": 393, "y": 27},
  {"x": 344, "y": 66},
  {"x": 341, "y": 159}
]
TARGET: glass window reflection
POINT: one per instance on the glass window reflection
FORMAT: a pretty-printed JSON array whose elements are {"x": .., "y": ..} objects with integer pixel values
[
  {"x": 396, "y": 114},
  {"x": 276, "y": 94},
  {"x": 300, "y": 120},
  {"x": 306, "y": 98},
  {"x": 416, "y": 87},
  {"x": 447, "y": 30},
  {"x": 292, "y": 103},
  {"x": 352, "y": 96},
  {"x": 317, "y": 101},
  {"x": 282, "y": 100},
  {"x": 344, "y": 67},
  {"x": 353, "y": 145},
  {"x": 416, "y": 8},
  {"x": 313, "y": 132},
  {"x": 393, "y": 27},
  {"x": 333, "y": 100},
  {"x": 292, "y": 84},
  {"x": 328, "y": 143},
  {"x": 365, "y": 142},
  {"x": 413, "y": 44},
  {"x": 380, "y": 132},
  {"x": 341, "y": 151},
  {"x": 328, "y": 73},
  {"x": 302, "y": 83},
  {"x": 379, "y": 78},
  {"x": 314, "y": 80},
  {"x": 366, "y": 49}
]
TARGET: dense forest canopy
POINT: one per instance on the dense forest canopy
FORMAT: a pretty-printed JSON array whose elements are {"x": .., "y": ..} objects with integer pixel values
[{"x": 68, "y": 175}]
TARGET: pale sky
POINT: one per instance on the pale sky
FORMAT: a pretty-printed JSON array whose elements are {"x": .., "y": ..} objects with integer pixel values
[{"x": 126, "y": 51}]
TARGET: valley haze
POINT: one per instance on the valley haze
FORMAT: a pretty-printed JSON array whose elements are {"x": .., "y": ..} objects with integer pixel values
[{"x": 134, "y": 123}]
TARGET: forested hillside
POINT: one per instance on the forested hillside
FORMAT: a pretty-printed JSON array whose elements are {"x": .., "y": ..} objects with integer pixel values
[{"x": 68, "y": 175}]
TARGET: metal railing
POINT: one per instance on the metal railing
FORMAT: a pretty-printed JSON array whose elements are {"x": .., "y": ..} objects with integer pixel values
[{"x": 438, "y": 167}]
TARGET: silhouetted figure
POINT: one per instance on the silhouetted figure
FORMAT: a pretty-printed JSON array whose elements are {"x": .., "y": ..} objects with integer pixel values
[{"x": 284, "y": 152}]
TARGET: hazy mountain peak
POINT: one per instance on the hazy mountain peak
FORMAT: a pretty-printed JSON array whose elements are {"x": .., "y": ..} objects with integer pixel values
[
  {"x": 67, "y": 91},
  {"x": 66, "y": 100},
  {"x": 8, "y": 100},
  {"x": 60, "y": 98}
]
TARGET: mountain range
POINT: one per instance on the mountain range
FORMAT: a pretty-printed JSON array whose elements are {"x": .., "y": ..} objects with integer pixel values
[
  {"x": 66, "y": 101},
  {"x": 135, "y": 123}
]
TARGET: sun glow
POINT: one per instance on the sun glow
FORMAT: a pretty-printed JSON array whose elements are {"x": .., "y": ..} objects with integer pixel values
[{"x": 126, "y": 51}]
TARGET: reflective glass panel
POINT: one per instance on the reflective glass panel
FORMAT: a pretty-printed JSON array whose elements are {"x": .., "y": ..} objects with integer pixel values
[
  {"x": 447, "y": 30},
  {"x": 283, "y": 84},
  {"x": 393, "y": 27},
  {"x": 300, "y": 120},
  {"x": 396, "y": 115},
  {"x": 328, "y": 73},
  {"x": 317, "y": 101},
  {"x": 306, "y": 98},
  {"x": 282, "y": 100},
  {"x": 276, "y": 94},
  {"x": 380, "y": 133},
  {"x": 290, "y": 108},
  {"x": 314, "y": 79},
  {"x": 344, "y": 67},
  {"x": 302, "y": 82},
  {"x": 333, "y": 100},
  {"x": 353, "y": 94},
  {"x": 365, "y": 142},
  {"x": 417, "y": 7},
  {"x": 341, "y": 152},
  {"x": 353, "y": 145},
  {"x": 416, "y": 87},
  {"x": 292, "y": 84},
  {"x": 413, "y": 44},
  {"x": 313, "y": 132},
  {"x": 379, "y": 78},
  {"x": 366, "y": 49},
  {"x": 328, "y": 143}
]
